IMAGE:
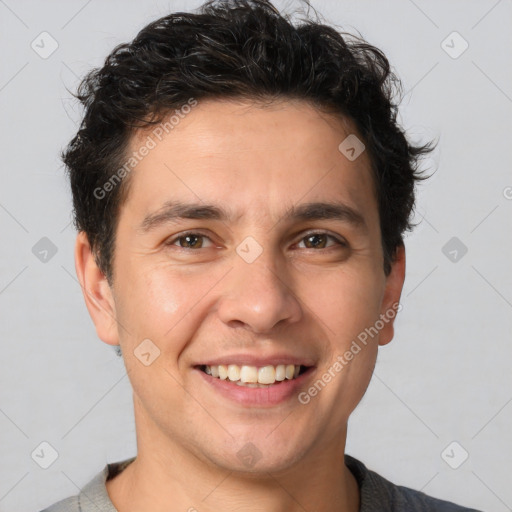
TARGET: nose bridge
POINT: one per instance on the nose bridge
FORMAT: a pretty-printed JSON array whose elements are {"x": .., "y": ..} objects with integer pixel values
[
  {"x": 255, "y": 294},
  {"x": 263, "y": 271}
]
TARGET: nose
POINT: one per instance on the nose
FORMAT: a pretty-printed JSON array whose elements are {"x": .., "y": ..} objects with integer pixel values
[{"x": 257, "y": 297}]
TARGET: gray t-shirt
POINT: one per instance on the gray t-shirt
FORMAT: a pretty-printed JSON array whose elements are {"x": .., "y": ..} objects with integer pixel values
[{"x": 377, "y": 494}]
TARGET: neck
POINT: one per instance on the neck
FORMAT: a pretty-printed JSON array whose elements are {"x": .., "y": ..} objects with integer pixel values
[{"x": 159, "y": 479}]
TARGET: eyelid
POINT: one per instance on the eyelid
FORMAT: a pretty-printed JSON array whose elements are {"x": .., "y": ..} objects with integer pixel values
[
  {"x": 339, "y": 239},
  {"x": 171, "y": 241}
]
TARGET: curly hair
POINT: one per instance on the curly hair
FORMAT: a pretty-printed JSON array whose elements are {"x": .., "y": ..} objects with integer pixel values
[{"x": 236, "y": 49}]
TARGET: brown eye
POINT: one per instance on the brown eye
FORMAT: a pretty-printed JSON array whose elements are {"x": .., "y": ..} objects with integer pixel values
[
  {"x": 189, "y": 241},
  {"x": 319, "y": 240}
]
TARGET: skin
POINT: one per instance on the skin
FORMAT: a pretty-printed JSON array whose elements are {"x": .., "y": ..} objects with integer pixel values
[{"x": 200, "y": 303}]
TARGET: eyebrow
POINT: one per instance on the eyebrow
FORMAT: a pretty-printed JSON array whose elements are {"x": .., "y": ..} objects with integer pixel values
[{"x": 174, "y": 211}]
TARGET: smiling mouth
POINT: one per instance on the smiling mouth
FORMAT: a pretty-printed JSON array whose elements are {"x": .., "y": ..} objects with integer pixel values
[{"x": 253, "y": 376}]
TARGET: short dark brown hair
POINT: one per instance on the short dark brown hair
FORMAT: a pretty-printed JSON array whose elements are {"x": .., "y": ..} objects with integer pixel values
[{"x": 238, "y": 49}]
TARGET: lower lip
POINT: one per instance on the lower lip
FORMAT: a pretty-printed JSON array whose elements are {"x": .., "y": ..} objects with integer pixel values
[{"x": 269, "y": 396}]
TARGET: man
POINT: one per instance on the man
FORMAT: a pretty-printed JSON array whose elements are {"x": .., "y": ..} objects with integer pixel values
[{"x": 241, "y": 188}]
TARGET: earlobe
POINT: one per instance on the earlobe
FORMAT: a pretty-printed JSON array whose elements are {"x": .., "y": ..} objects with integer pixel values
[
  {"x": 96, "y": 291},
  {"x": 391, "y": 299}
]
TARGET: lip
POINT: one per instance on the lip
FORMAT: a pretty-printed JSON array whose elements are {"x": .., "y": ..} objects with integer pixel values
[
  {"x": 255, "y": 360},
  {"x": 260, "y": 397}
]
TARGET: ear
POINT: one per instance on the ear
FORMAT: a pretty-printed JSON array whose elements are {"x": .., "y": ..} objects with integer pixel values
[
  {"x": 96, "y": 290},
  {"x": 391, "y": 298}
]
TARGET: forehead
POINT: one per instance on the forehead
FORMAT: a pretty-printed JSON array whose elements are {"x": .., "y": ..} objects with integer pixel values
[{"x": 251, "y": 157}]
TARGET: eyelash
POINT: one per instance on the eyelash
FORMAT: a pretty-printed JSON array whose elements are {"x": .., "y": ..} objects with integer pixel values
[{"x": 172, "y": 241}]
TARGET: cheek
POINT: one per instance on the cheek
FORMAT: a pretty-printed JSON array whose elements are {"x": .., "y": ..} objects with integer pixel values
[
  {"x": 168, "y": 305},
  {"x": 349, "y": 366},
  {"x": 347, "y": 300},
  {"x": 154, "y": 302},
  {"x": 158, "y": 305},
  {"x": 353, "y": 309}
]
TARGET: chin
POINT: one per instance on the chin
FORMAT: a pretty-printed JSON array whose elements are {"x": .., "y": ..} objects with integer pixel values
[{"x": 258, "y": 457}]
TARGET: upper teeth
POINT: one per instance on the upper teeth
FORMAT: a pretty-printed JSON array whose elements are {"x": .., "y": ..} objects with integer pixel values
[{"x": 263, "y": 375}]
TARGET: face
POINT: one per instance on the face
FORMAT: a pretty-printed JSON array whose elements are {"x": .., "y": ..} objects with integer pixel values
[{"x": 247, "y": 239}]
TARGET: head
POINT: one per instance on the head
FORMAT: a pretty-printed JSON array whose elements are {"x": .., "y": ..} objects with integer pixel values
[{"x": 237, "y": 108}]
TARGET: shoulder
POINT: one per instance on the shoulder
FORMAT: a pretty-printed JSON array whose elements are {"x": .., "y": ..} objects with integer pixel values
[
  {"x": 70, "y": 504},
  {"x": 94, "y": 496},
  {"x": 405, "y": 499},
  {"x": 381, "y": 495}
]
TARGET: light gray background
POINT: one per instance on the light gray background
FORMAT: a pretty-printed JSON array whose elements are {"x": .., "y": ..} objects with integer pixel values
[{"x": 446, "y": 375}]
